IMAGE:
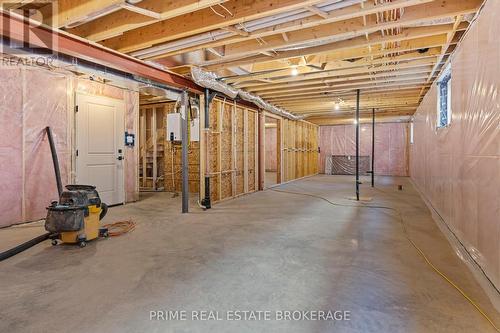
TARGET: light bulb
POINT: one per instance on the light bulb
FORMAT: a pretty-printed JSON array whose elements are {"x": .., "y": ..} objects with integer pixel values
[
  {"x": 355, "y": 122},
  {"x": 337, "y": 106},
  {"x": 295, "y": 71}
]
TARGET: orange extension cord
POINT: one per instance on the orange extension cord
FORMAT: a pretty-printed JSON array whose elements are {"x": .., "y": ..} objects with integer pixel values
[
  {"x": 407, "y": 236},
  {"x": 119, "y": 228}
]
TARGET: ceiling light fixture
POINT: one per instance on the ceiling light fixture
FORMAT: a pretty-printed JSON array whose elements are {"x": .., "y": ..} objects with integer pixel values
[
  {"x": 295, "y": 71},
  {"x": 338, "y": 103}
]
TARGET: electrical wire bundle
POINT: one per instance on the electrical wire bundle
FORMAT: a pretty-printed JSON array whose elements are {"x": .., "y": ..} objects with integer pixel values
[
  {"x": 119, "y": 228},
  {"x": 407, "y": 236}
]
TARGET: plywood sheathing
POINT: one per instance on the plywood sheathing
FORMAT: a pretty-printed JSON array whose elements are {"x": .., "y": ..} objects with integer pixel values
[
  {"x": 252, "y": 118},
  {"x": 300, "y": 149},
  {"x": 239, "y": 135},
  {"x": 231, "y": 150}
]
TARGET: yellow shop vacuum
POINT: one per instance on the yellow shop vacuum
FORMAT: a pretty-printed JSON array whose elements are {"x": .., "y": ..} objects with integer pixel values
[{"x": 75, "y": 218}]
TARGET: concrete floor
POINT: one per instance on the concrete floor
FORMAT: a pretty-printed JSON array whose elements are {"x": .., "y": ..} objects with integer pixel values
[{"x": 265, "y": 251}]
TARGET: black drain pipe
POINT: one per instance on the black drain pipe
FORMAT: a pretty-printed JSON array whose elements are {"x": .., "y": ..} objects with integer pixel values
[
  {"x": 373, "y": 147},
  {"x": 357, "y": 145},
  {"x": 206, "y": 201},
  {"x": 184, "y": 155}
]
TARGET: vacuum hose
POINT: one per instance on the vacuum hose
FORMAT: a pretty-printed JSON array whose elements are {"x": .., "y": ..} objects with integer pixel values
[
  {"x": 24, "y": 246},
  {"x": 104, "y": 210}
]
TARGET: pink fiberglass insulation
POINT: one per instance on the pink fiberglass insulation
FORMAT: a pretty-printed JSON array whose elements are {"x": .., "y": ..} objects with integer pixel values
[
  {"x": 457, "y": 168},
  {"x": 33, "y": 99},
  {"x": 11, "y": 147},
  {"x": 391, "y": 153},
  {"x": 44, "y": 107}
]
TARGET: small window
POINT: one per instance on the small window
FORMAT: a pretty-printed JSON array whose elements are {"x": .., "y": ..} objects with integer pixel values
[
  {"x": 411, "y": 133},
  {"x": 444, "y": 98}
]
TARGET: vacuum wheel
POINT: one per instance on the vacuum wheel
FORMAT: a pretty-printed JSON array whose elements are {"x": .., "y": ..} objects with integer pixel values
[
  {"x": 82, "y": 243},
  {"x": 103, "y": 232},
  {"x": 54, "y": 242}
]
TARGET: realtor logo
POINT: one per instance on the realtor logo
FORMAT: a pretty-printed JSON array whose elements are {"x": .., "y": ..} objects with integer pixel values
[{"x": 25, "y": 27}]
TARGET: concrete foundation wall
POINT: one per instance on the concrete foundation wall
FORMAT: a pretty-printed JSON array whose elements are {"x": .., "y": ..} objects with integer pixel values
[{"x": 457, "y": 168}]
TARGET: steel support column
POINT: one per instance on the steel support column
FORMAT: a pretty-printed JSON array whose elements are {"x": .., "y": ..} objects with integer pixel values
[
  {"x": 184, "y": 136},
  {"x": 373, "y": 148},
  {"x": 357, "y": 145}
]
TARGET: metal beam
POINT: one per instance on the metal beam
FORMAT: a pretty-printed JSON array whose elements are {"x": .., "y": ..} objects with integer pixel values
[{"x": 20, "y": 29}]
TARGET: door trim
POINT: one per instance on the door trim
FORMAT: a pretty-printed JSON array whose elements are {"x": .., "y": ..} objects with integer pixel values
[{"x": 123, "y": 191}]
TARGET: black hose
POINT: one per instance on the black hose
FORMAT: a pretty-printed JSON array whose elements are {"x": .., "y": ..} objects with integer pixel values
[
  {"x": 104, "y": 211},
  {"x": 55, "y": 160},
  {"x": 24, "y": 246}
]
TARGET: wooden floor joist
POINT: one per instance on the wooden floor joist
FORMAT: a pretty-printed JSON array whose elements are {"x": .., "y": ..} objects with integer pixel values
[{"x": 280, "y": 50}]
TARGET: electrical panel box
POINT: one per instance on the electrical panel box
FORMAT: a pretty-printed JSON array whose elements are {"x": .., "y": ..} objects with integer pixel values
[{"x": 174, "y": 128}]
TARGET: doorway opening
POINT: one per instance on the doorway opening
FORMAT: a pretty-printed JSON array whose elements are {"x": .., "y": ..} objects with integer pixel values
[
  {"x": 160, "y": 143},
  {"x": 100, "y": 127},
  {"x": 272, "y": 152}
]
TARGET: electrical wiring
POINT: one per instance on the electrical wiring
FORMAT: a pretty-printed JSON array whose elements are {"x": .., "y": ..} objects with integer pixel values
[
  {"x": 216, "y": 12},
  {"x": 219, "y": 14},
  {"x": 119, "y": 228},
  {"x": 417, "y": 248},
  {"x": 227, "y": 10}
]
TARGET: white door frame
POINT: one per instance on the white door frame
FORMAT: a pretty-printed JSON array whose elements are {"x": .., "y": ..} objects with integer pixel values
[{"x": 120, "y": 143}]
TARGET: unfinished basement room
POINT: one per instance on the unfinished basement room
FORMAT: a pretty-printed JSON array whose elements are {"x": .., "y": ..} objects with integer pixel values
[{"x": 250, "y": 166}]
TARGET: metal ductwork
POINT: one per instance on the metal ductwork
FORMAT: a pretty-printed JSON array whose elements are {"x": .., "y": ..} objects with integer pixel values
[{"x": 211, "y": 81}]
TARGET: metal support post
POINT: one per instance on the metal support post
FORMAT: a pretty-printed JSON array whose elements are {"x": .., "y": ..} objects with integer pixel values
[
  {"x": 357, "y": 145},
  {"x": 184, "y": 136}
]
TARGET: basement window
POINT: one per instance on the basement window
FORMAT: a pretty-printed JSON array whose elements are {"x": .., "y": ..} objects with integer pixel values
[
  {"x": 444, "y": 98},
  {"x": 412, "y": 129}
]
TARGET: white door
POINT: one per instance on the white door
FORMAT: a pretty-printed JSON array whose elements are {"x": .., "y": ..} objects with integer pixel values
[{"x": 100, "y": 135}]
